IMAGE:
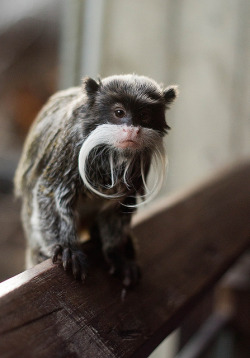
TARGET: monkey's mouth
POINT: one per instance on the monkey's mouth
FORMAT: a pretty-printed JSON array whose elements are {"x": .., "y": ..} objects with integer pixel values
[{"x": 128, "y": 143}]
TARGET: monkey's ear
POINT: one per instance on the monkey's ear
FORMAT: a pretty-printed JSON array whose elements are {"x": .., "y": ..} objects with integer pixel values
[
  {"x": 170, "y": 94},
  {"x": 90, "y": 86}
]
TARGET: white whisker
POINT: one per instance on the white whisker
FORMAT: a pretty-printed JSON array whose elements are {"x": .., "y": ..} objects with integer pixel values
[
  {"x": 125, "y": 174},
  {"x": 111, "y": 164},
  {"x": 108, "y": 135},
  {"x": 143, "y": 176}
]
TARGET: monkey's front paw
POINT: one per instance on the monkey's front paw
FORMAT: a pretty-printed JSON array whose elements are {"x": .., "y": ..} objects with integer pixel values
[
  {"x": 129, "y": 272},
  {"x": 72, "y": 259}
]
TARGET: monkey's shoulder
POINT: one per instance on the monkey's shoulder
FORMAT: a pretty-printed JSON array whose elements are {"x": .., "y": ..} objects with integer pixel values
[
  {"x": 51, "y": 142},
  {"x": 60, "y": 107}
]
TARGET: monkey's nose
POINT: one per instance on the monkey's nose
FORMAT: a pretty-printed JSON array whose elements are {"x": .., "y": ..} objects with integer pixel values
[
  {"x": 129, "y": 137},
  {"x": 131, "y": 130}
]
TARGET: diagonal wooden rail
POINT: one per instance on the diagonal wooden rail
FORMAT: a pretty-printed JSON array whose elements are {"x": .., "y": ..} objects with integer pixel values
[{"x": 185, "y": 246}]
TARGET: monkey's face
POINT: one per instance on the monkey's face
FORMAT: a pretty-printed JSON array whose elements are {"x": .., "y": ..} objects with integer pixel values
[
  {"x": 130, "y": 102},
  {"x": 126, "y": 115}
]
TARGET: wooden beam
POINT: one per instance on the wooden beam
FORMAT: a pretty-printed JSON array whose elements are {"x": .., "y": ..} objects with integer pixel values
[{"x": 184, "y": 248}]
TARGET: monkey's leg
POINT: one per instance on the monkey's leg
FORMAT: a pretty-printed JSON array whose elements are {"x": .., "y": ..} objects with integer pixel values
[
  {"x": 33, "y": 255},
  {"x": 117, "y": 244},
  {"x": 53, "y": 222}
]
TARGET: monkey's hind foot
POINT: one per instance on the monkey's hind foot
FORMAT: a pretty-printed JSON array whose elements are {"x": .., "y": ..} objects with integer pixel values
[
  {"x": 129, "y": 272},
  {"x": 72, "y": 259}
]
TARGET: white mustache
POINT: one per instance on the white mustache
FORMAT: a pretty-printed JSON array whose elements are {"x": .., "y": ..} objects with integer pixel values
[{"x": 109, "y": 135}]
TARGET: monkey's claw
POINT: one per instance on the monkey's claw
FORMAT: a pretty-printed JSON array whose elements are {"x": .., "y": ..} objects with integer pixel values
[
  {"x": 71, "y": 259},
  {"x": 57, "y": 252},
  {"x": 129, "y": 272}
]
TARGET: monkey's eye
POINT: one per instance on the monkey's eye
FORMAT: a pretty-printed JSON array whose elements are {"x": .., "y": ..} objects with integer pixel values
[
  {"x": 145, "y": 115},
  {"x": 119, "y": 113}
]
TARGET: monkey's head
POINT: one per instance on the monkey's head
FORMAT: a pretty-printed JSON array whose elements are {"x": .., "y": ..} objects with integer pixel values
[{"x": 126, "y": 120}]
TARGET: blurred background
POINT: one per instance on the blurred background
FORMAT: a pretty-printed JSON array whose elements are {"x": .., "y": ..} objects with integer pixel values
[{"x": 203, "y": 46}]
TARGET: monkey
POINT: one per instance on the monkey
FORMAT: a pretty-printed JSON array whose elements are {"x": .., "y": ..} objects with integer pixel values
[{"x": 92, "y": 146}]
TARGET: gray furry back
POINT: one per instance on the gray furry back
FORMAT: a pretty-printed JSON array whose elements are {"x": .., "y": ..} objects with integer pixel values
[{"x": 43, "y": 145}]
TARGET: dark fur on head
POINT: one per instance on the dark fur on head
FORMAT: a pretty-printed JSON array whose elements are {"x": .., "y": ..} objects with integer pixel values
[{"x": 141, "y": 95}]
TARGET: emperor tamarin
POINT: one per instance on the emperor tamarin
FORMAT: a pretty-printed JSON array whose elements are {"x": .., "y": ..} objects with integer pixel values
[{"x": 92, "y": 146}]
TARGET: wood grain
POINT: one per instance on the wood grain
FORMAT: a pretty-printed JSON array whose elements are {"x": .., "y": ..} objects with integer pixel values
[{"x": 184, "y": 248}]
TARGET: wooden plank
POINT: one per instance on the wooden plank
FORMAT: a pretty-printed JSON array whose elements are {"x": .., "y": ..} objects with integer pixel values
[{"x": 185, "y": 247}]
